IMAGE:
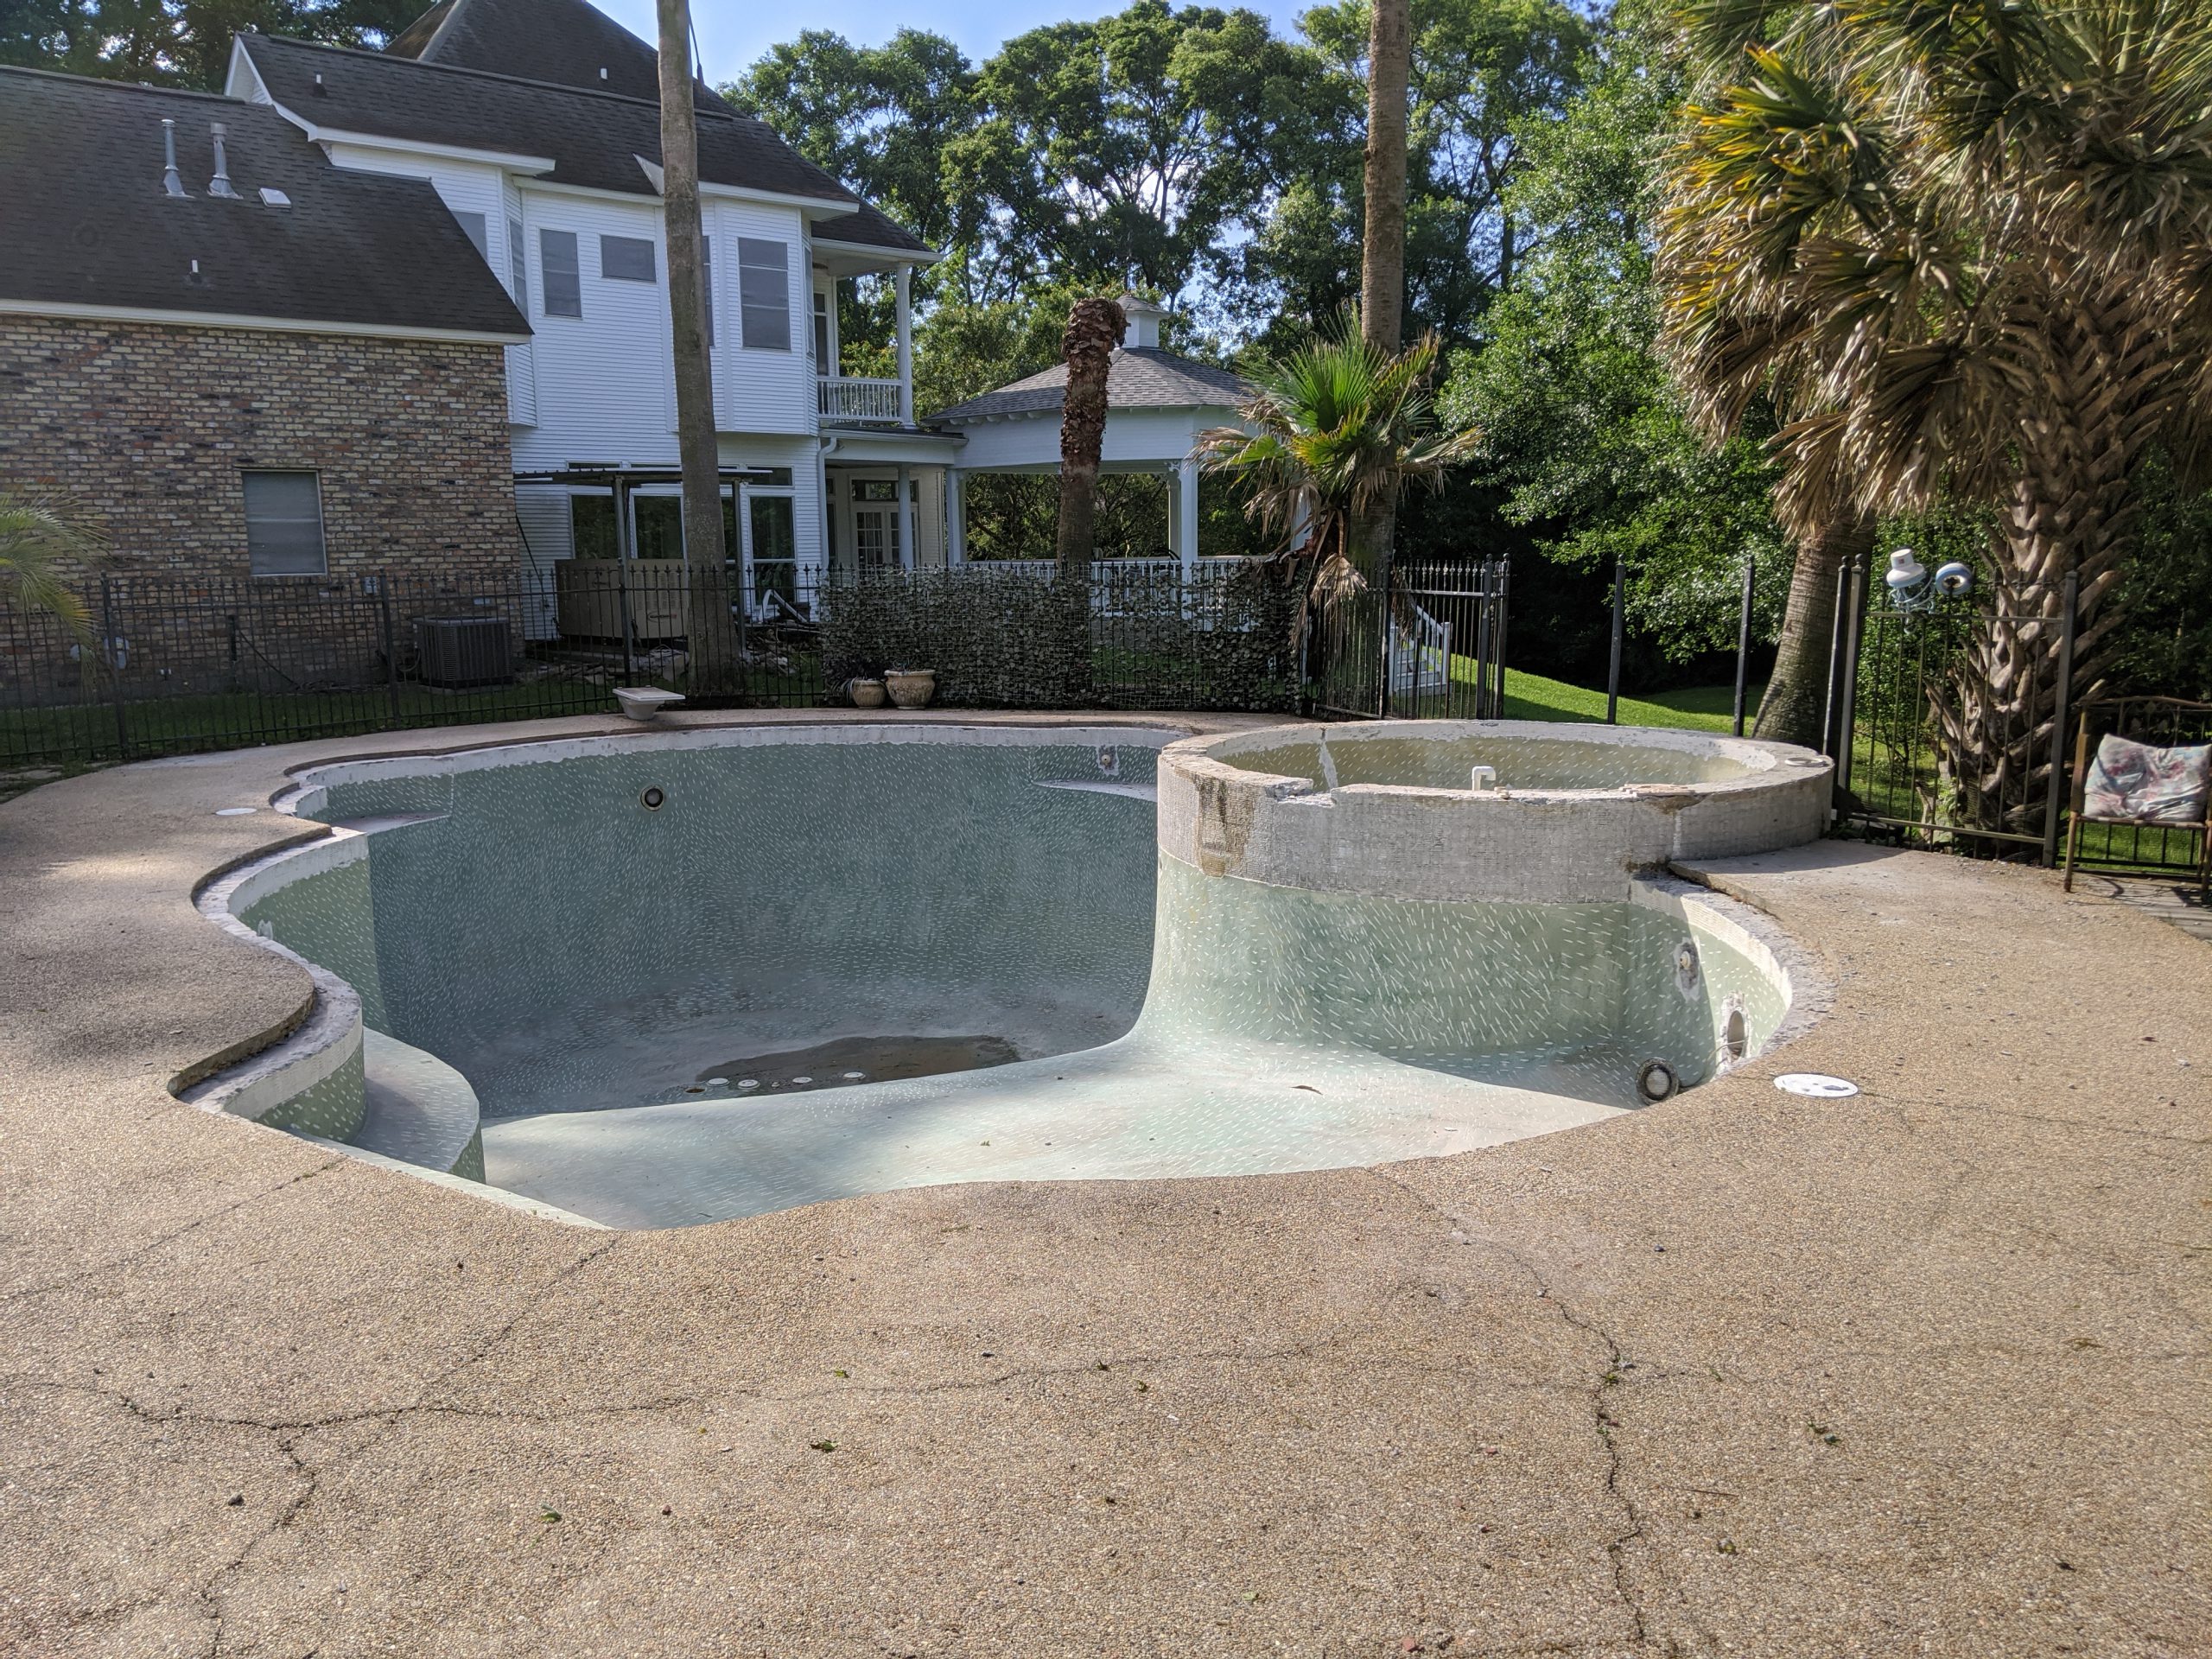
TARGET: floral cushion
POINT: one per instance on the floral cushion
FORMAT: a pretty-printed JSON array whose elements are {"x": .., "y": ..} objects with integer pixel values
[{"x": 2133, "y": 783}]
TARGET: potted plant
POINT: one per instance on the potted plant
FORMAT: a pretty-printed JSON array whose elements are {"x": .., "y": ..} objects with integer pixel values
[
  {"x": 911, "y": 687},
  {"x": 866, "y": 690}
]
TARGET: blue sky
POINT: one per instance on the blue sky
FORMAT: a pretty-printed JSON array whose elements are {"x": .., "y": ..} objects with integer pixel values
[{"x": 731, "y": 36}]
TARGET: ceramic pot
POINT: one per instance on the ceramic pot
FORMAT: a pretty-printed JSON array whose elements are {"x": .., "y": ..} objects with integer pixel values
[
  {"x": 867, "y": 694},
  {"x": 912, "y": 687}
]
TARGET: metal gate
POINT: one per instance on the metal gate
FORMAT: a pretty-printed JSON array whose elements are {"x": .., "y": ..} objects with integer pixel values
[{"x": 1429, "y": 644}]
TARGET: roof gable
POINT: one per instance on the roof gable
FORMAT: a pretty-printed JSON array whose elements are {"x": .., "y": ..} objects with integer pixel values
[
  {"x": 565, "y": 42},
  {"x": 593, "y": 138},
  {"x": 89, "y": 223}
]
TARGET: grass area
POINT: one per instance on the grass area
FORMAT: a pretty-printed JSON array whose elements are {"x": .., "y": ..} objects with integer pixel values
[{"x": 1697, "y": 707}]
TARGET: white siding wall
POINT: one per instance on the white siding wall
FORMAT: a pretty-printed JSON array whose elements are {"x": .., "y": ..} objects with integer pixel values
[
  {"x": 761, "y": 390},
  {"x": 547, "y": 539}
]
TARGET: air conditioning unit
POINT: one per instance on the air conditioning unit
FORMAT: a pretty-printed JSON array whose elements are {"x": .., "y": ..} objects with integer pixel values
[{"x": 457, "y": 650}]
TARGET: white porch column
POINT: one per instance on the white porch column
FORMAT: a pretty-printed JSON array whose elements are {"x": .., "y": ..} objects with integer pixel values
[
  {"x": 906, "y": 346},
  {"x": 906, "y": 517},
  {"x": 956, "y": 521},
  {"x": 1186, "y": 512}
]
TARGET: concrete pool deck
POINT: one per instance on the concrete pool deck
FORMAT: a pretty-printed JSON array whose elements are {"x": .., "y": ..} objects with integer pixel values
[{"x": 1924, "y": 1371}]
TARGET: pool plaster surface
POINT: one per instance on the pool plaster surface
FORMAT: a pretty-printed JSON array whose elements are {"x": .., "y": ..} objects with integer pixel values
[{"x": 1924, "y": 1371}]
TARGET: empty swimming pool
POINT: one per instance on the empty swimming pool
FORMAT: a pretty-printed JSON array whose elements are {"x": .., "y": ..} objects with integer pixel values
[{"x": 664, "y": 979}]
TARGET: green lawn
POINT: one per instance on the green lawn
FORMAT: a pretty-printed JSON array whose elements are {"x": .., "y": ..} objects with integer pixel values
[{"x": 1698, "y": 707}]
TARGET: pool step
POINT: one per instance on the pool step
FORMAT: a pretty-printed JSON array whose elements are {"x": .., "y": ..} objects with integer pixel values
[{"x": 420, "y": 1110}]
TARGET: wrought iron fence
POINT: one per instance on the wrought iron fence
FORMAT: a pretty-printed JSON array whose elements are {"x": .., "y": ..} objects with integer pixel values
[
  {"x": 1430, "y": 644},
  {"x": 171, "y": 664},
  {"x": 1953, "y": 724}
]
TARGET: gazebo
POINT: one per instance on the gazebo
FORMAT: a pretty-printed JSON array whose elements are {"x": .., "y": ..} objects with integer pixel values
[{"x": 1157, "y": 403}]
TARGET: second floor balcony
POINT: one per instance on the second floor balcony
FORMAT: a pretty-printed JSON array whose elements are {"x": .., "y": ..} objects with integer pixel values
[{"x": 853, "y": 401}]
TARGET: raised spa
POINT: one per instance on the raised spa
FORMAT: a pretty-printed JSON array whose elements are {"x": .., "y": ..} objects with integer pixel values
[{"x": 675, "y": 976}]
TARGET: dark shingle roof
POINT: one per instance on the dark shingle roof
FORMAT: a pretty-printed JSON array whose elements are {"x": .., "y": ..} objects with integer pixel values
[
  {"x": 88, "y": 223},
  {"x": 593, "y": 138},
  {"x": 870, "y": 228},
  {"x": 567, "y": 42},
  {"x": 1143, "y": 379}
]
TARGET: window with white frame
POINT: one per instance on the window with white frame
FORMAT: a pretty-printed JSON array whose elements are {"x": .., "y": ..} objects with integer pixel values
[
  {"x": 518, "y": 267},
  {"x": 283, "y": 523},
  {"x": 763, "y": 293},
  {"x": 822, "y": 363},
  {"x": 707, "y": 284},
  {"x": 562, "y": 279},
  {"x": 626, "y": 259}
]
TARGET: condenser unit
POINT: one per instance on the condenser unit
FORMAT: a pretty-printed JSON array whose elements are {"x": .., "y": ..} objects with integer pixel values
[{"x": 457, "y": 650}]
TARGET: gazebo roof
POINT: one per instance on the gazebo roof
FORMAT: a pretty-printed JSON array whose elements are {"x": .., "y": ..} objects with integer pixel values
[{"x": 1138, "y": 378}]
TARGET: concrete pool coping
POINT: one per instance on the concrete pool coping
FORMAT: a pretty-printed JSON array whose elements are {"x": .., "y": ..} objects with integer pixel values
[{"x": 1744, "y": 1373}]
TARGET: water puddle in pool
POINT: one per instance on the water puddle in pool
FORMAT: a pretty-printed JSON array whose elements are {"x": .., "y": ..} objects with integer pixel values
[{"x": 851, "y": 1060}]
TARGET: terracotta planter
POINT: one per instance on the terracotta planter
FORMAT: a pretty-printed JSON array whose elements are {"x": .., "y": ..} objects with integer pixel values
[
  {"x": 867, "y": 694},
  {"x": 912, "y": 687}
]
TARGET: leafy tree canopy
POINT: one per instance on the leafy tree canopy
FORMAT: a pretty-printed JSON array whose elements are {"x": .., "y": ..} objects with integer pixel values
[{"x": 179, "y": 42}]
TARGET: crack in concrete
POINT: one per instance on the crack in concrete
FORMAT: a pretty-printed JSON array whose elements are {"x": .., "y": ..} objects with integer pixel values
[
  {"x": 84, "y": 1274},
  {"x": 1617, "y": 1547}
]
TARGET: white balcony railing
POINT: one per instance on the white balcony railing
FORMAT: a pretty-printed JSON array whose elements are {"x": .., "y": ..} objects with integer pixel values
[{"x": 860, "y": 403}]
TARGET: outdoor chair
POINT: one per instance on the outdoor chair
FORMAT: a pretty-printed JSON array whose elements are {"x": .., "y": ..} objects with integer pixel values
[{"x": 2152, "y": 771}]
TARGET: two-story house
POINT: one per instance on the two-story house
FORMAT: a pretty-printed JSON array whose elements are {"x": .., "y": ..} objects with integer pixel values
[
  {"x": 265, "y": 351},
  {"x": 538, "y": 123}
]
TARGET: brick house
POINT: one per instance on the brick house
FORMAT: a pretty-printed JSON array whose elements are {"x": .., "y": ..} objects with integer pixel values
[{"x": 244, "y": 361}]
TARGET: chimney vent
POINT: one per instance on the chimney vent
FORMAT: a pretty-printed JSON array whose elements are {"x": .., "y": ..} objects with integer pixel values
[
  {"x": 220, "y": 185},
  {"x": 321, "y": 90},
  {"x": 603, "y": 72},
  {"x": 171, "y": 181}
]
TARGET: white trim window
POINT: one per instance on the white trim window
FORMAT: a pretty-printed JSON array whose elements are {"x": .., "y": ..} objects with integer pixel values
[
  {"x": 764, "y": 294},
  {"x": 283, "y": 523},
  {"x": 561, "y": 281},
  {"x": 627, "y": 260}
]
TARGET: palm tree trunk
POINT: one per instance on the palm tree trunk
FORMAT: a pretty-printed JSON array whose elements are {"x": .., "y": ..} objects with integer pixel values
[
  {"x": 1382, "y": 246},
  {"x": 707, "y": 621},
  {"x": 1795, "y": 701},
  {"x": 1094, "y": 327}
]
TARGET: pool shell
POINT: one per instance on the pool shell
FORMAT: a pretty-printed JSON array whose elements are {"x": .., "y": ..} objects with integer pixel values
[
  {"x": 1288, "y": 1024},
  {"x": 1573, "y": 809}
]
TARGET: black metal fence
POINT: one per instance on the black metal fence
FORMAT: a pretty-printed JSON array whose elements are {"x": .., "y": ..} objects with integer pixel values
[
  {"x": 1429, "y": 643},
  {"x": 1954, "y": 722},
  {"x": 174, "y": 664}
]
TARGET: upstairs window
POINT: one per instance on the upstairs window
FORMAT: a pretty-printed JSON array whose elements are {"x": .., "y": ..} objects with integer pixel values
[
  {"x": 763, "y": 293},
  {"x": 564, "y": 289},
  {"x": 479, "y": 231},
  {"x": 626, "y": 259},
  {"x": 283, "y": 523},
  {"x": 822, "y": 365}
]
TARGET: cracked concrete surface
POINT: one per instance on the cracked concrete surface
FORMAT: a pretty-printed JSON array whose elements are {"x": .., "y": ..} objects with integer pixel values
[{"x": 1923, "y": 1372}]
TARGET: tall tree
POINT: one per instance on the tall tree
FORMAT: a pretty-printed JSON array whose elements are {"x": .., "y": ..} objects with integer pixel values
[
  {"x": 1383, "y": 245},
  {"x": 1094, "y": 329},
  {"x": 1128, "y": 150},
  {"x": 1967, "y": 253},
  {"x": 1582, "y": 428},
  {"x": 707, "y": 619}
]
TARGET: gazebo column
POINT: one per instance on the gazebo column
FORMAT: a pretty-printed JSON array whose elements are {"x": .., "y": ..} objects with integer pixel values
[
  {"x": 956, "y": 519},
  {"x": 1186, "y": 512}
]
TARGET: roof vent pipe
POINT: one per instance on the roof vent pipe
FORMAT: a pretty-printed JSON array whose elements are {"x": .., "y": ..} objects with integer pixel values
[
  {"x": 171, "y": 181},
  {"x": 220, "y": 185},
  {"x": 321, "y": 90}
]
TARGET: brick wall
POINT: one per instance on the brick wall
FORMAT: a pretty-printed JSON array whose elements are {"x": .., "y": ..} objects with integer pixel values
[{"x": 149, "y": 427}]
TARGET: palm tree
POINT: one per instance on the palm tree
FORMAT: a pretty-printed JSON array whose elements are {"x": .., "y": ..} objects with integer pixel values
[
  {"x": 1967, "y": 252},
  {"x": 1094, "y": 329},
  {"x": 39, "y": 539},
  {"x": 1334, "y": 431}
]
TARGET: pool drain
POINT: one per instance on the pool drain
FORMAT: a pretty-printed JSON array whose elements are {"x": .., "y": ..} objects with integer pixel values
[
  {"x": 653, "y": 799},
  {"x": 1657, "y": 1081}
]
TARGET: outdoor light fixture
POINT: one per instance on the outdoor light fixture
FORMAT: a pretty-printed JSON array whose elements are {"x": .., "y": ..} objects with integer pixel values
[{"x": 1912, "y": 588}]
